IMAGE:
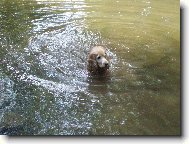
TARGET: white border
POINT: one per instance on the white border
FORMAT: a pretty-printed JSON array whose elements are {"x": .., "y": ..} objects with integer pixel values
[
  {"x": 132, "y": 140},
  {"x": 185, "y": 68}
]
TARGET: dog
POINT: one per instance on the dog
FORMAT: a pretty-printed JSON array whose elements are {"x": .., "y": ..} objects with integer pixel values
[{"x": 98, "y": 62}]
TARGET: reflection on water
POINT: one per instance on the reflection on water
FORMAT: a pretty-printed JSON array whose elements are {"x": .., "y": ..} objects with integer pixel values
[{"x": 46, "y": 89}]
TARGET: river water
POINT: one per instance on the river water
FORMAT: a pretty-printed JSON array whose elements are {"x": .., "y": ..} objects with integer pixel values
[{"x": 45, "y": 88}]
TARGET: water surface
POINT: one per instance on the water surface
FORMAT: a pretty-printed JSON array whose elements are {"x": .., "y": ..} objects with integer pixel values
[{"x": 45, "y": 88}]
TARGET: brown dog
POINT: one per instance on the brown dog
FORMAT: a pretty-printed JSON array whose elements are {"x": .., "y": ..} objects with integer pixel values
[{"x": 98, "y": 63}]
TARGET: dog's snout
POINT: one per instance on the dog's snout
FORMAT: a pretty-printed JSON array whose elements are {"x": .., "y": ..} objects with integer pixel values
[{"x": 107, "y": 65}]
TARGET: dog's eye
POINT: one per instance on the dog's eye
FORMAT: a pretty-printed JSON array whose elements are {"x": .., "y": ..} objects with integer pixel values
[{"x": 98, "y": 57}]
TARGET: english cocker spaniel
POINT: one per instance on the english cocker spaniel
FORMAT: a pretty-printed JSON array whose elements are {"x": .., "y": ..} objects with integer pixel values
[{"x": 98, "y": 62}]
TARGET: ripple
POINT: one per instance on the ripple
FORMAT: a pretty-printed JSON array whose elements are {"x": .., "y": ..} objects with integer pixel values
[{"x": 7, "y": 98}]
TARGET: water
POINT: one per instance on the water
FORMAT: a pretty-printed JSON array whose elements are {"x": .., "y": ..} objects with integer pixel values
[{"x": 45, "y": 88}]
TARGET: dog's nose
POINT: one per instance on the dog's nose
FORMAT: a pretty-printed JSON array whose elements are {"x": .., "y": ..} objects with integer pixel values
[{"x": 107, "y": 65}]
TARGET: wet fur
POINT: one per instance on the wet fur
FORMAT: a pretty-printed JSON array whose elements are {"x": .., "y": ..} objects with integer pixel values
[{"x": 93, "y": 66}]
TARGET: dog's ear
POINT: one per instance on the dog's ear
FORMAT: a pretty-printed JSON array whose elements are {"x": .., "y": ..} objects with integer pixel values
[
  {"x": 92, "y": 64},
  {"x": 92, "y": 60},
  {"x": 92, "y": 56}
]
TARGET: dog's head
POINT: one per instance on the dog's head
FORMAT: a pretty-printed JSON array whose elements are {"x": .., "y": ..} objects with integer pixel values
[
  {"x": 97, "y": 59},
  {"x": 102, "y": 61}
]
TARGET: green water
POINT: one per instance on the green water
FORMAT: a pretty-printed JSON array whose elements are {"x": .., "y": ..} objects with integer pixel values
[{"x": 45, "y": 88}]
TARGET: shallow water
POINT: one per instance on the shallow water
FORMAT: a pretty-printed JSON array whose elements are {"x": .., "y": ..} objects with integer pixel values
[{"x": 45, "y": 88}]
